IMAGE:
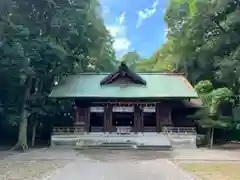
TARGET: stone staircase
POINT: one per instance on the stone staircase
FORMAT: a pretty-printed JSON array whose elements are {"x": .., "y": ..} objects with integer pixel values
[
  {"x": 171, "y": 138},
  {"x": 143, "y": 141},
  {"x": 107, "y": 146}
]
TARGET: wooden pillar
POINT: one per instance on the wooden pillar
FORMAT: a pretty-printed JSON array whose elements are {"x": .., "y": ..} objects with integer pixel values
[
  {"x": 105, "y": 122},
  {"x": 158, "y": 118},
  {"x": 141, "y": 123},
  {"x": 138, "y": 120},
  {"x": 135, "y": 126},
  {"x": 110, "y": 110},
  {"x": 77, "y": 117},
  {"x": 166, "y": 115},
  {"x": 80, "y": 119},
  {"x": 108, "y": 118},
  {"x": 86, "y": 116},
  {"x": 170, "y": 116},
  {"x": 163, "y": 116}
]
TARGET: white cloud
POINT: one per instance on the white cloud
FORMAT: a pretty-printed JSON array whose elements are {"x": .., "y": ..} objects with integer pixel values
[
  {"x": 118, "y": 31},
  {"x": 146, "y": 13},
  {"x": 121, "y": 44},
  {"x": 122, "y": 18}
]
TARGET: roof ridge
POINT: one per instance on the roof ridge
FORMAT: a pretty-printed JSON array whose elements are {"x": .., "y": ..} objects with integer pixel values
[
  {"x": 105, "y": 73},
  {"x": 158, "y": 73}
]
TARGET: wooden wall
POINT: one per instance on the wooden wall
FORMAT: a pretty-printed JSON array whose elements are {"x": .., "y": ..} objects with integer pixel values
[
  {"x": 163, "y": 117},
  {"x": 138, "y": 119},
  {"x": 108, "y": 118},
  {"x": 83, "y": 118}
]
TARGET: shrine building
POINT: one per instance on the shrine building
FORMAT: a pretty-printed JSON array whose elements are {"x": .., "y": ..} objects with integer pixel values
[{"x": 124, "y": 101}]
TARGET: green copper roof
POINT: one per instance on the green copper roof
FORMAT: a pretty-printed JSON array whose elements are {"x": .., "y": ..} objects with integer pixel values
[{"x": 157, "y": 86}]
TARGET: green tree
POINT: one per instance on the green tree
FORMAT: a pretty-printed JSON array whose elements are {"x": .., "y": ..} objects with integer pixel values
[
  {"x": 207, "y": 42},
  {"x": 40, "y": 43},
  {"x": 210, "y": 116},
  {"x": 163, "y": 60},
  {"x": 146, "y": 65},
  {"x": 131, "y": 58}
]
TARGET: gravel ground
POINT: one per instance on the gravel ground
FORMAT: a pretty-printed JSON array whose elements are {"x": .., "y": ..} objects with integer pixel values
[
  {"x": 28, "y": 170},
  {"x": 34, "y": 165},
  {"x": 5, "y": 154},
  {"x": 53, "y": 164},
  {"x": 64, "y": 164}
]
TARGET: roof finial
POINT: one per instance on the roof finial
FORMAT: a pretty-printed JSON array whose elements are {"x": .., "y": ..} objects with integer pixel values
[
  {"x": 123, "y": 66},
  {"x": 123, "y": 63}
]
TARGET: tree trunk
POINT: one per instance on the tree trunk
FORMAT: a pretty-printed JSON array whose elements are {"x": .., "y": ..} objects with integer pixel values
[
  {"x": 211, "y": 131},
  {"x": 34, "y": 132},
  {"x": 208, "y": 137},
  {"x": 22, "y": 135}
]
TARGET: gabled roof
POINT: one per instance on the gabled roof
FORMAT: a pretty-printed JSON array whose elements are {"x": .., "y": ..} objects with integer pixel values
[
  {"x": 122, "y": 71},
  {"x": 158, "y": 85}
]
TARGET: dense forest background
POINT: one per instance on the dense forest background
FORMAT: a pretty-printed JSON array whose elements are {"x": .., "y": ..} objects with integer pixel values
[{"x": 42, "y": 41}]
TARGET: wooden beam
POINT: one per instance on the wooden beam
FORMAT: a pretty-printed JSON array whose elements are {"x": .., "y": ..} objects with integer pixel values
[
  {"x": 110, "y": 110},
  {"x": 86, "y": 116},
  {"x": 77, "y": 117},
  {"x": 135, "y": 125},
  {"x": 126, "y": 103},
  {"x": 105, "y": 121},
  {"x": 158, "y": 118},
  {"x": 141, "y": 123}
]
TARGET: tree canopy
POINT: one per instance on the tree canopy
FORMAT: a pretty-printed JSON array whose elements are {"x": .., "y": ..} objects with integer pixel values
[
  {"x": 203, "y": 43},
  {"x": 40, "y": 42}
]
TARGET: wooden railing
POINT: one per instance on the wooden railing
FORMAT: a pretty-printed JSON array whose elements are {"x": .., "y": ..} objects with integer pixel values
[
  {"x": 180, "y": 130},
  {"x": 67, "y": 130}
]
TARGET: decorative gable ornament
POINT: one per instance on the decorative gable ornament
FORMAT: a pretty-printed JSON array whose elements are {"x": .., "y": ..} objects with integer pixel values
[{"x": 123, "y": 72}]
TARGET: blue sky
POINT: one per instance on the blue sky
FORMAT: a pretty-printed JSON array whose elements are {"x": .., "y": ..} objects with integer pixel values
[{"x": 135, "y": 25}]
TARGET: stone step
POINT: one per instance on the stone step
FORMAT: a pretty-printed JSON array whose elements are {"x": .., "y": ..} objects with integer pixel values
[
  {"x": 153, "y": 142},
  {"x": 124, "y": 147},
  {"x": 103, "y": 147},
  {"x": 114, "y": 145},
  {"x": 119, "y": 144},
  {"x": 185, "y": 146},
  {"x": 155, "y": 148},
  {"x": 65, "y": 143}
]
